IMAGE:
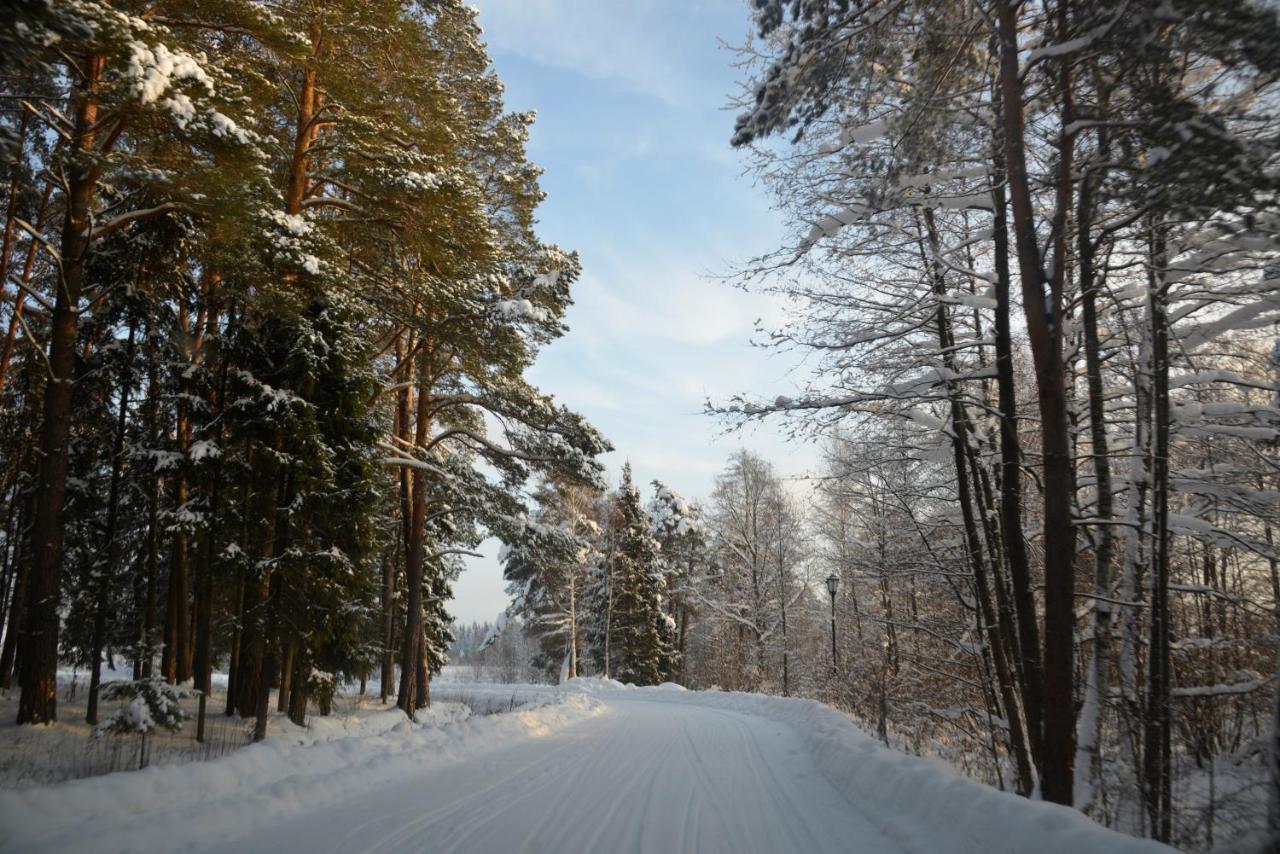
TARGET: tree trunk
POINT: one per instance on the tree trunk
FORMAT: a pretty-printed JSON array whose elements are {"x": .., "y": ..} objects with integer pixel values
[
  {"x": 1273, "y": 769},
  {"x": 1097, "y": 678},
  {"x": 1043, "y": 308},
  {"x": 573, "y": 628},
  {"x": 388, "y": 625},
  {"x": 286, "y": 680},
  {"x": 39, "y": 700},
  {"x": 414, "y": 558},
  {"x": 1156, "y": 753},
  {"x": 973, "y": 545},
  {"x": 295, "y": 686},
  {"x": 1018, "y": 615},
  {"x": 17, "y": 614},
  {"x": 401, "y": 428},
  {"x": 203, "y": 665},
  {"x": 422, "y": 683},
  {"x": 110, "y": 547},
  {"x": 11, "y": 213},
  {"x": 19, "y": 302},
  {"x": 177, "y": 647},
  {"x": 237, "y": 633}
]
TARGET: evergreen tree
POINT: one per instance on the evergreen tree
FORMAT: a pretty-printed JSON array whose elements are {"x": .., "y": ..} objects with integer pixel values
[
  {"x": 641, "y": 629},
  {"x": 681, "y": 532},
  {"x": 547, "y": 570}
]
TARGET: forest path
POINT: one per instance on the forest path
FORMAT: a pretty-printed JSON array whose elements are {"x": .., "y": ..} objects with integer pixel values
[{"x": 641, "y": 777}]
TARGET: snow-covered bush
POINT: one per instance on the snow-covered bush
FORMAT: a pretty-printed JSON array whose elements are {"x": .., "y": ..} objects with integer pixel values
[
  {"x": 321, "y": 687},
  {"x": 149, "y": 703}
]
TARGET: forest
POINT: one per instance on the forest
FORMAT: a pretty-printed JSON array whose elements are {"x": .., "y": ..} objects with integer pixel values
[
  {"x": 274, "y": 291},
  {"x": 273, "y": 285}
]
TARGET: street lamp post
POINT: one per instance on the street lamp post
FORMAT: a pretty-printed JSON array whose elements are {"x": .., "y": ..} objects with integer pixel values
[{"x": 833, "y": 584}]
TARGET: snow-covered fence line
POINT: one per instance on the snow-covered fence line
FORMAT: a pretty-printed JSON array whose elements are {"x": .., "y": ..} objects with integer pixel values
[
  {"x": 285, "y": 775},
  {"x": 921, "y": 803}
]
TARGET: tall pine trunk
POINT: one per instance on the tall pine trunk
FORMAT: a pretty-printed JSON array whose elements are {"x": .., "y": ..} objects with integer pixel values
[
  {"x": 39, "y": 702},
  {"x": 415, "y": 548}
]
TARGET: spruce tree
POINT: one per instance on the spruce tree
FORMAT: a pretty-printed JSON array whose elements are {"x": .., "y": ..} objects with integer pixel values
[{"x": 642, "y": 629}]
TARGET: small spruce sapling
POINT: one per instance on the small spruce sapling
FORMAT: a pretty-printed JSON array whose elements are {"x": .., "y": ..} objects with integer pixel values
[
  {"x": 148, "y": 704},
  {"x": 322, "y": 686}
]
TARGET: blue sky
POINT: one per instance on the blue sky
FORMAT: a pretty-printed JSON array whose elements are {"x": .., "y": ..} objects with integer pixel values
[{"x": 633, "y": 134}]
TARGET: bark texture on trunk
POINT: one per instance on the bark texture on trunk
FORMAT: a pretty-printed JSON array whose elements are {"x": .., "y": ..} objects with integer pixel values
[
  {"x": 1043, "y": 308},
  {"x": 411, "y": 653},
  {"x": 39, "y": 702}
]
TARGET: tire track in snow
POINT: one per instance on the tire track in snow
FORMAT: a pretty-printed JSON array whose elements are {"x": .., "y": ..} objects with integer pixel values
[{"x": 645, "y": 777}]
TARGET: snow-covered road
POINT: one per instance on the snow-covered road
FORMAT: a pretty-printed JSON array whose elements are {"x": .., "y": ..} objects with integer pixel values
[
  {"x": 643, "y": 776},
  {"x": 592, "y": 766}
]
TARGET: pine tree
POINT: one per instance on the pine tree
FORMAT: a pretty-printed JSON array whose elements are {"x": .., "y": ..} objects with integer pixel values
[{"x": 547, "y": 570}]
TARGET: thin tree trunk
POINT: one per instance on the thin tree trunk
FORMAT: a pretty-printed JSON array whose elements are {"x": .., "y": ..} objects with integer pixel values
[
  {"x": 960, "y": 454},
  {"x": 20, "y": 300},
  {"x": 153, "y": 525},
  {"x": 388, "y": 624},
  {"x": 177, "y": 655},
  {"x": 1097, "y": 674},
  {"x": 1156, "y": 754},
  {"x": 1043, "y": 308},
  {"x": 203, "y": 665},
  {"x": 237, "y": 633},
  {"x": 286, "y": 680},
  {"x": 111, "y": 546},
  {"x": 11, "y": 214},
  {"x": 1018, "y": 613},
  {"x": 267, "y": 636},
  {"x": 17, "y": 609},
  {"x": 401, "y": 428},
  {"x": 573, "y": 628}
]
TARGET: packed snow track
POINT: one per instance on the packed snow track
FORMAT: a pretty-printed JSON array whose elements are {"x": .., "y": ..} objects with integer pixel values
[
  {"x": 642, "y": 776},
  {"x": 594, "y": 767}
]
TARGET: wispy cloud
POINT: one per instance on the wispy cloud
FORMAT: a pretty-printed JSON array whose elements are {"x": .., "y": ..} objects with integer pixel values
[{"x": 652, "y": 47}]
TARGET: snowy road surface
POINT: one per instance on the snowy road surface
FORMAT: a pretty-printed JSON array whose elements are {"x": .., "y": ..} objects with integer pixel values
[
  {"x": 593, "y": 766},
  {"x": 642, "y": 776}
]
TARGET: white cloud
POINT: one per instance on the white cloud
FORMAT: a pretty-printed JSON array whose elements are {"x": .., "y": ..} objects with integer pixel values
[{"x": 664, "y": 301}]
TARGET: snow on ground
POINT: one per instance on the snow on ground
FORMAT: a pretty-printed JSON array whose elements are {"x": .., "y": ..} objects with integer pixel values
[
  {"x": 590, "y": 766},
  {"x": 66, "y": 750},
  {"x": 209, "y": 805}
]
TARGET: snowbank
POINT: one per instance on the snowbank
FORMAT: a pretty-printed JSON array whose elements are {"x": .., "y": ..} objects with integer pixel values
[
  {"x": 285, "y": 775},
  {"x": 920, "y": 803}
]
